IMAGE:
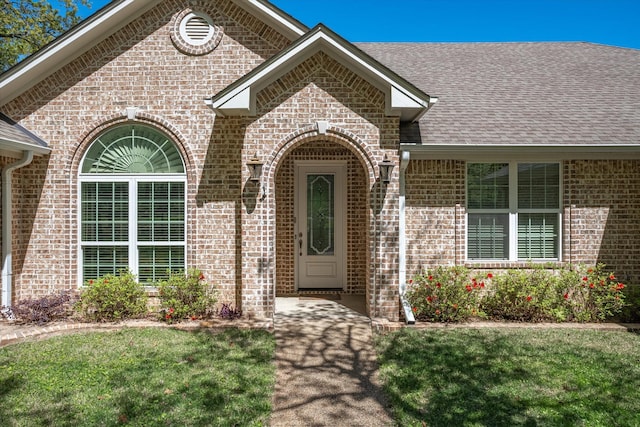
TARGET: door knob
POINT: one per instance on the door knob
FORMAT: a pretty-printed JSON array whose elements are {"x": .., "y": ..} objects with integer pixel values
[{"x": 300, "y": 243}]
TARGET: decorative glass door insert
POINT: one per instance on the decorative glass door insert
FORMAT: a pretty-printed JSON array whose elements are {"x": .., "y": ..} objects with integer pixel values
[{"x": 320, "y": 214}]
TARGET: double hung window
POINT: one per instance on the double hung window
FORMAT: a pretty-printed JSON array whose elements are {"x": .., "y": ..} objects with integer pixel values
[
  {"x": 132, "y": 205},
  {"x": 513, "y": 211}
]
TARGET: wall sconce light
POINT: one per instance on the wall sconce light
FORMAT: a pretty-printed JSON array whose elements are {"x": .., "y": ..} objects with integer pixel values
[
  {"x": 386, "y": 167},
  {"x": 255, "y": 168}
]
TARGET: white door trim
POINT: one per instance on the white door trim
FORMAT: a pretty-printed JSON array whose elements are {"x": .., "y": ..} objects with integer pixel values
[{"x": 339, "y": 169}]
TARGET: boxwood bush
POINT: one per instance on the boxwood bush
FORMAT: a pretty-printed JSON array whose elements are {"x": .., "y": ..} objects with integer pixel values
[
  {"x": 186, "y": 295},
  {"x": 112, "y": 298}
]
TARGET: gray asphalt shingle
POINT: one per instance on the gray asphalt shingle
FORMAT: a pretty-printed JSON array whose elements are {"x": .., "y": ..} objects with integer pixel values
[
  {"x": 520, "y": 93},
  {"x": 11, "y": 132}
]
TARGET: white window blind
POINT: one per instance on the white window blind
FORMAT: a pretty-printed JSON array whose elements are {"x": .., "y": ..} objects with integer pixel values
[
  {"x": 537, "y": 236},
  {"x": 488, "y": 236}
]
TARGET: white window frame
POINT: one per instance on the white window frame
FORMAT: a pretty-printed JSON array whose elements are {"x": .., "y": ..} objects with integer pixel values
[
  {"x": 513, "y": 212},
  {"x": 132, "y": 243}
]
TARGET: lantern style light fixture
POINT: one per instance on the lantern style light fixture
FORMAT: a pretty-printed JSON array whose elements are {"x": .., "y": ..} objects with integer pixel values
[
  {"x": 255, "y": 168},
  {"x": 386, "y": 167}
]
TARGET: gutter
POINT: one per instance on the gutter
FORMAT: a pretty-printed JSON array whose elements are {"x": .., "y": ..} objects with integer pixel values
[
  {"x": 7, "y": 220},
  {"x": 402, "y": 237}
]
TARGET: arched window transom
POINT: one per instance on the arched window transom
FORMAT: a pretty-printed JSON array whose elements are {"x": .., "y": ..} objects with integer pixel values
[{"x": 133, "y": 149}]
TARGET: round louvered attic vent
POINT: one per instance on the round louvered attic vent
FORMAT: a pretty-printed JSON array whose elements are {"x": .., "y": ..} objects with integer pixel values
[
  {"x": 196, "y": 29},
  {"x": 194, "y": 33}
]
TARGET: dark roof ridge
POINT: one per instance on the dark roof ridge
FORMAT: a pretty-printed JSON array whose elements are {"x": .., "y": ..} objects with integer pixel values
[{"x": 508, "y": 42}]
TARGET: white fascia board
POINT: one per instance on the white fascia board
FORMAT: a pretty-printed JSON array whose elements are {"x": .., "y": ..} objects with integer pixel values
[
  {"x": 260, "y": 80},
  {"x": 393, "y": 88},
  {"x": 268, "y": 14},
  {"x": 399, "y": 100},
  {"x": 16, "y": 148},
  {"x": 70, "y": 46},
  {"x": 540, "y": 152}
]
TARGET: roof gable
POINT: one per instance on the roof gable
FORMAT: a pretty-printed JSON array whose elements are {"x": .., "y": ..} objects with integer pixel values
[
  {"x": 402, "y": 98},
  {"x": 104, "y": 23}
]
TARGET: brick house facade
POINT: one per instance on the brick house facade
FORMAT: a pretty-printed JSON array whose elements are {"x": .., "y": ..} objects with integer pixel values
[{"x": 259, "y": 83}]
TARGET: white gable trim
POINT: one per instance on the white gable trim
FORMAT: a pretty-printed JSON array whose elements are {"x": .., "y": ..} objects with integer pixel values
[
  {"x": 402, "y": 99},
  {"x": 101, "y": 25}
]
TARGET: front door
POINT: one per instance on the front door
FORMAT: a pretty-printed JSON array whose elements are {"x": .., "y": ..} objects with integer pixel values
[{"x": 320, "y": 203}]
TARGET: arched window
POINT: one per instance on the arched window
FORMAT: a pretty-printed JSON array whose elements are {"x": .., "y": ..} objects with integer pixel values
[{"x": 132, "y": 205}]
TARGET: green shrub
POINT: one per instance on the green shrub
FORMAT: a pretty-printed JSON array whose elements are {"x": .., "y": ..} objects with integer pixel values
[
  {"x": 591, "y": 294},
  {"x": 445, "y": 294},
  {"x": 185, "y": 296},
  {"x": 113, "y": 297},
  {"x": 631, "y": 311},
  {"x": 529, "y": 295}
]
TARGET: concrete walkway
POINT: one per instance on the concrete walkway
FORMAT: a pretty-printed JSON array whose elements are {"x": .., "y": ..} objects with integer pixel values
[{"x": 326, "y": 365}]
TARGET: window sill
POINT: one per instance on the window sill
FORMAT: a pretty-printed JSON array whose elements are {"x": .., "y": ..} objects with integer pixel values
[{"x": 505, "y": 265}]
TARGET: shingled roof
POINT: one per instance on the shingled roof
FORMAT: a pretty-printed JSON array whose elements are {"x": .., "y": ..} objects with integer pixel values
[
  {"x": 14, "y": 139},
  {"x": 520, "y": 93}
]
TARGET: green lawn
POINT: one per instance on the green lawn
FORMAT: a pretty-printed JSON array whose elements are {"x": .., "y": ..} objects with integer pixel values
[
  {"x": 512, "y": 377},
  {"x": 145, "y": 377},
  {"x": 453, "y": 377}
]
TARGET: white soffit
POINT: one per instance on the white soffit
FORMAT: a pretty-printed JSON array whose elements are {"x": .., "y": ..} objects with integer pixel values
[
  {"x": 402, "y": 99},
  {"x": 14, "y": 149}
]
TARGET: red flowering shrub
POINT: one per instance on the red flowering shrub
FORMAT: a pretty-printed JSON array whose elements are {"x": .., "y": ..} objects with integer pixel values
[
  {"x": 445, "y": 294},
  {"x": 528, "y": 295},
  {"x": 186, "y": 296},
  {"x": 535, "y": 294},
  {"x": 591, "y": 294}
]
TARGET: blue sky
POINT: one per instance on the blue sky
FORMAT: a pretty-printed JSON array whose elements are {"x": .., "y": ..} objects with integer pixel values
[{"x": 612, "y": 22}]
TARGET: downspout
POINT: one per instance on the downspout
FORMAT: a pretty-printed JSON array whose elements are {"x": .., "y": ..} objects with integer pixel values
[
  {"x": 7, "y": 220},
  {"x": 402, "y": 237}
]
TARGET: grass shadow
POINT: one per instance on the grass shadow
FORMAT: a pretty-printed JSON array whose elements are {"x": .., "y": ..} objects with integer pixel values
[
  {"x": 154, "y": 376},
  {"x": 474, "y": 377}
]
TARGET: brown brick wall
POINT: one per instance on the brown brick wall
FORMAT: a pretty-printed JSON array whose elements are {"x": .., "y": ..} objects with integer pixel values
[
  {"x": 602, "y": 200},
  {"x": 435, "y": 194},
  {"x": 240, "y": 239},
  {"x": 320, "y": 89},
  {"x": 231, "y": 230},
  {"x": 601, "y": 215},
  {"x": 138, "y": 66}
]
